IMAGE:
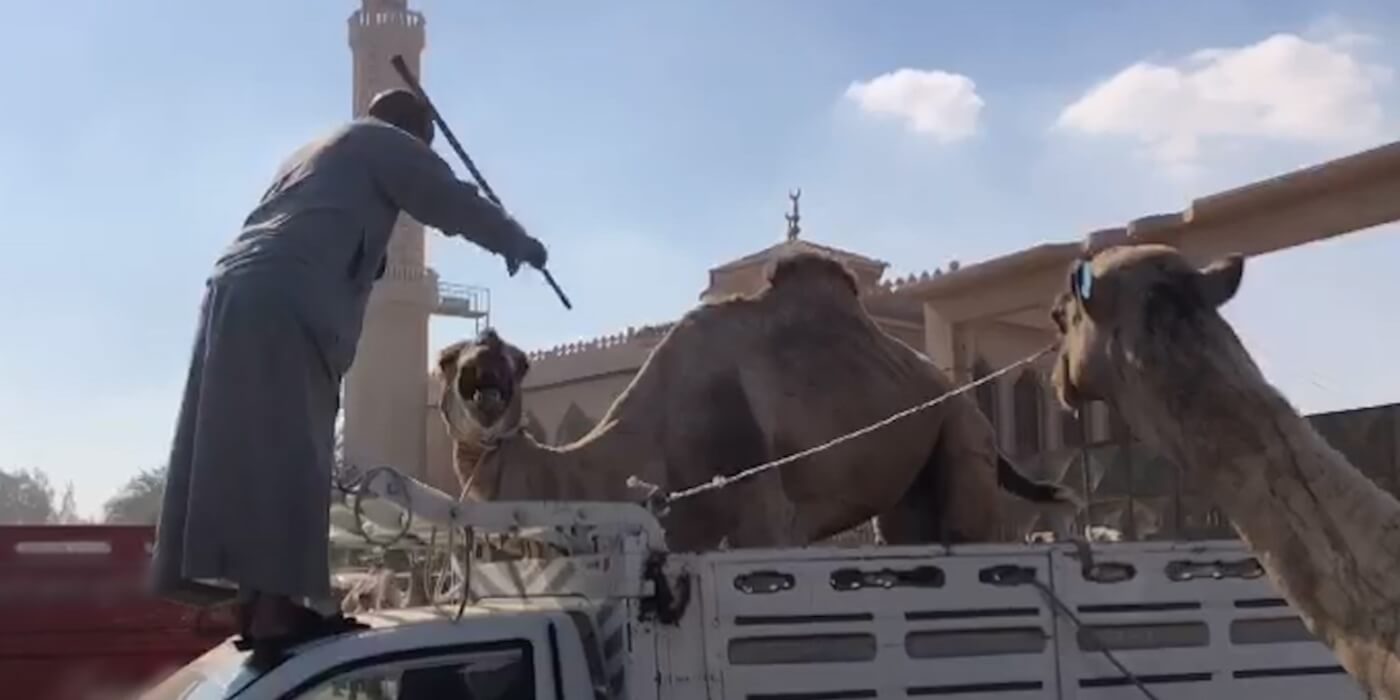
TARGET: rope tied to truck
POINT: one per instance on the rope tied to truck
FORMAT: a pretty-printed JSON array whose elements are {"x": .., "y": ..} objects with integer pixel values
[
  {"x": 658, "y": 502},
  {"x": 1012, "y": 575}
]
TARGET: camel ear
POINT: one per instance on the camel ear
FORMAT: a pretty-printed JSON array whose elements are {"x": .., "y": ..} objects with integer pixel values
[
  {"x": 521, "y": 362},
  {"x": 1219, "y": 281},
  {"x": 447, "y": 360}
]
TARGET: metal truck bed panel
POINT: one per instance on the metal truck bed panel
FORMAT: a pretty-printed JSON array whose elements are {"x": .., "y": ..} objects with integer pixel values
[{"x": 922, "y": 622}]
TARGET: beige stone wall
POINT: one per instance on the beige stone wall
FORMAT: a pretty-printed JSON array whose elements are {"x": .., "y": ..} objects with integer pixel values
[
  {"x": 590, "y": 397},
  {"x": 913, "y": 336}
]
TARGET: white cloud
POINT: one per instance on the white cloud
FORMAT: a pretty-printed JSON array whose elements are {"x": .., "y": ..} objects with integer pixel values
[
  {"x": 944, "y": 106},
  {"x": 1284, "y": 88}
]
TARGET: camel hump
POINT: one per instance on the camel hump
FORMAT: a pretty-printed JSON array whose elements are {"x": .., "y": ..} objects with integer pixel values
[{"x": 811, "y": 267}]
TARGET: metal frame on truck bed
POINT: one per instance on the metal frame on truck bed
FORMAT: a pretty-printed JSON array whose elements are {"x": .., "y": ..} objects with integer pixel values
[{"x": 620, "y": 617}]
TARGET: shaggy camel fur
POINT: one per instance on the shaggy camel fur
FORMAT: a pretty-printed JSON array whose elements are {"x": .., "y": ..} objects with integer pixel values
[
  {"x": 741, "y": 382},
  {"x": 1141, "y": 330}
]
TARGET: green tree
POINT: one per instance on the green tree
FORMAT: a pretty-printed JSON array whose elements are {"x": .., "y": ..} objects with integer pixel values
[
  {"x": 138, "y": 502},
  {"x": 26, "y": 497}
]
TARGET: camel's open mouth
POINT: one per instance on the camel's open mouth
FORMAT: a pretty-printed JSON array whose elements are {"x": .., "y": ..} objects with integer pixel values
[
  {"x": 482, "y": 386},
  {"x": 488, "y": 391}
]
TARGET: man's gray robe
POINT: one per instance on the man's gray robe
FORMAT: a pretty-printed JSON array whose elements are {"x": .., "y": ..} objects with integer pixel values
[{"x": 248, "y": 493}]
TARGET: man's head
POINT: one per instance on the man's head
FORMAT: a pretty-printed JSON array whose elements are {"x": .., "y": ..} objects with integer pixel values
[{"x": 403, "y": 109}]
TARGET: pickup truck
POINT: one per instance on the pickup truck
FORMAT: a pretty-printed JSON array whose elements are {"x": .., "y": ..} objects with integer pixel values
[{"x": 617, "y": 616}]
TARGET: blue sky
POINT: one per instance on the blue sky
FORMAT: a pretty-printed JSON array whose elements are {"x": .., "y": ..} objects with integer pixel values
[{"x": 646, "y": 142}]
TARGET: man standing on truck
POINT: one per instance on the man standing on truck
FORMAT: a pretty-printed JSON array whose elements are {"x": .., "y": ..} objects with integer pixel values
[{"x": 246, "y": 514}]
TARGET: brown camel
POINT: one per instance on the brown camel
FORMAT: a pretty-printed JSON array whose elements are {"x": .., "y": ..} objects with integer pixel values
[
  {"x": 740, "y": 382},
  {"x": 1141, "y": 330}
]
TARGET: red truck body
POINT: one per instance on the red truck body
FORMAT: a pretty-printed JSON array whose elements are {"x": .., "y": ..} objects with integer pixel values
[{"x": 77, "y": 621}]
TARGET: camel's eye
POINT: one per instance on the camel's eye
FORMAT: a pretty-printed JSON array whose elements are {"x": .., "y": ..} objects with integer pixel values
[{"x": 1082, "y": 281}]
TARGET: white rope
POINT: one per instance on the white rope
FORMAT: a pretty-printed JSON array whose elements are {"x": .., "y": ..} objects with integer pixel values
[
  {"x": 1062, "y": 609},
  {"x": 720, "y": 482}
]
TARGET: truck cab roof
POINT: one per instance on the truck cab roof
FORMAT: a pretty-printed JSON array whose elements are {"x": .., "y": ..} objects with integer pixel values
[{"x": 227, "y": 672}]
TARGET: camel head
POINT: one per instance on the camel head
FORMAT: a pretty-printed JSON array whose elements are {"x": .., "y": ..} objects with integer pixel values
[
  {"x": 481, "y": 379},
  {"x": 1123, "y": 297}
]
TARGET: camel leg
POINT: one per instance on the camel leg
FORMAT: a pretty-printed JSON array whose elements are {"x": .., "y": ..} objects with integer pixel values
[
  {"x": 972, "y": 498},
  {"x": 702, "y": 509},
  {"x": 765, "y": 516},
  {"x": 741, "y": 511},
  {"x": 955, "y": 498},
  {"x": 914, "y": 519}
]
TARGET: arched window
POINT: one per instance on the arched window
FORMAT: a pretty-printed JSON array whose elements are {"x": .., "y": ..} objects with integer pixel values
[
  {"x": 1026, "y": 400},
  {"x": 574, "y": 425},
  {"x": 1071, "y": 429},
  {"x": 1119, "y": 431},
  {"x": 534, "y": 428},
  {"x": 986, "y": 393}
]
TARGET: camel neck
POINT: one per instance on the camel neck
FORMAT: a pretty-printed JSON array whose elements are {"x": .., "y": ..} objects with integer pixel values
[
  {"x": 1210, "y": 410},
  {"x": 1329, "y": 538},
  {"x": 1207, "y": 407},
  {"x": 466, "y": 460},
  {"x": 594, "y": 468}
]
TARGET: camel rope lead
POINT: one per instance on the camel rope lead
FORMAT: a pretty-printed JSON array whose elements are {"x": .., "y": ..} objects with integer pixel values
[
  {"x": 1062, "y": 609},
  {"x": 660, "y": 502}
]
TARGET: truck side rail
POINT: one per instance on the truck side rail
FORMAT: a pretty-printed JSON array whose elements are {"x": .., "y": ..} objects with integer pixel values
[
  {"x": 1141, "y": 620},
  {"x": 427, "y": 505}
]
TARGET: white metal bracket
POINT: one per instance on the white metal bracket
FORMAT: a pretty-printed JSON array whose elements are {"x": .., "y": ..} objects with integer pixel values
[{"x": 434, "y": 508}]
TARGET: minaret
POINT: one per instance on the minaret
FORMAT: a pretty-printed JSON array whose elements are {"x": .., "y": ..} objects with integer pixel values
[{"x": 385, "y": 389}]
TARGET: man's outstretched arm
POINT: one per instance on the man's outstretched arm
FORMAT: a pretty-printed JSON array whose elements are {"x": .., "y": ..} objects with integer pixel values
[{"x": 422, "y": 184}]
